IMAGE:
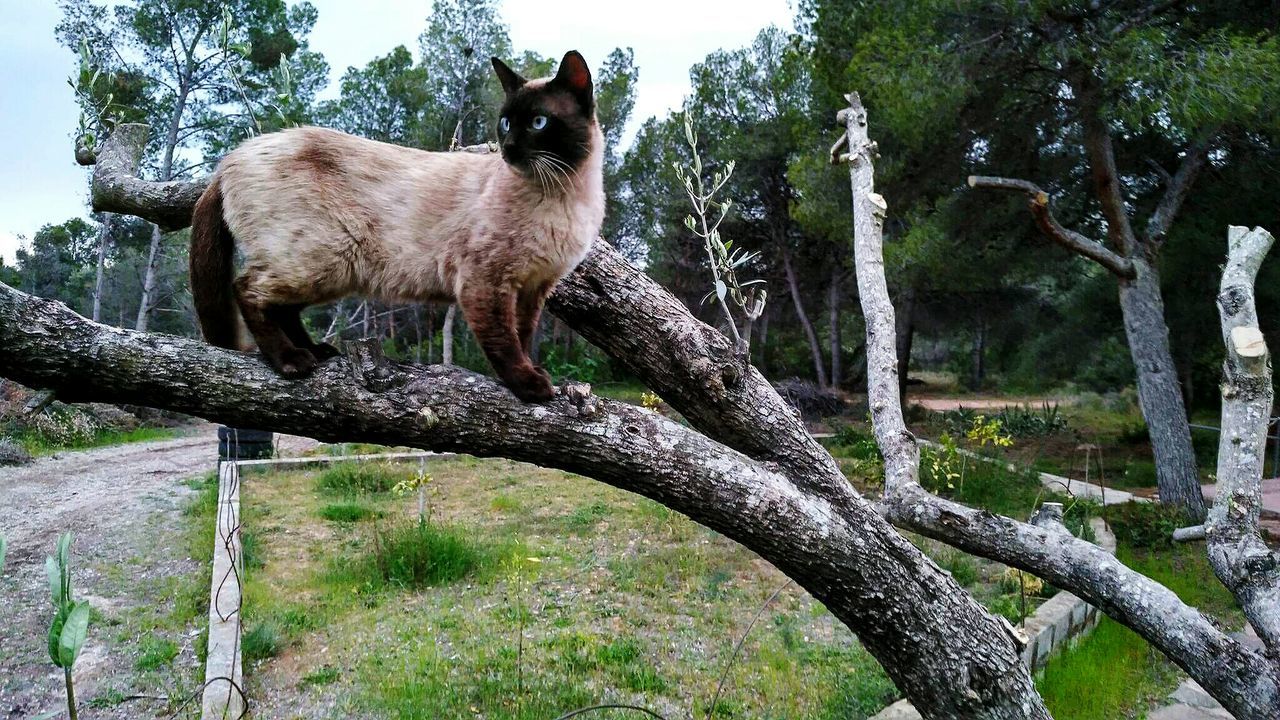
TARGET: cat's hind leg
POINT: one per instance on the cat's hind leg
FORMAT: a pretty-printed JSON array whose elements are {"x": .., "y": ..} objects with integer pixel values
[
  {"x": 289, "y": 318},
  {"x": 262, "y": 317},
  {"x": 491, "y": 313}
]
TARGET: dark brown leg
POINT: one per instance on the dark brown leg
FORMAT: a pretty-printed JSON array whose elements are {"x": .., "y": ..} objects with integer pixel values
[
  {"x": 289, "y": 318},
  {"x": 491, "y": 313},
  {"x": 528, "y": 310},
  {"x": 288, "y": 359}
]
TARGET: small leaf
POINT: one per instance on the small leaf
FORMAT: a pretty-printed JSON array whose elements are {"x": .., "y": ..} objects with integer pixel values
[
  {"x": 689, "y": 222},
  {"x": 55, "y": 581},
  {"x": 721, "y": 289},
  {"x": 728, "y": 244},
  {"x": 74, "y": 632},
  {"x": 55, "y": 636}
]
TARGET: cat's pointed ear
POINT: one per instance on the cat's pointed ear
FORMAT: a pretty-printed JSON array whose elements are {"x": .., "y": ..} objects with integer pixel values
[
  {"x": 510, "y": 79},
  {"x": 575, "y": 77}
]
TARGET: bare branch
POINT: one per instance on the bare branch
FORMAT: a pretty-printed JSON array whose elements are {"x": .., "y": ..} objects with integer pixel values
[
  {"x": 1239, "y": 556},
  {"x": 901, "y": 455},
  {"x": 1177, "y": 188},
  {"x": 117, "y": 187},
  {"x": 1073, "y": 241}
]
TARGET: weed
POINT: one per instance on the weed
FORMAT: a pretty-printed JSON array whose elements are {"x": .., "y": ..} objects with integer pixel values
[
  {"x": 156, "y": 651},
  {"x": 1146, "y": 525},
  {"x": 586, "y": 517},
  {"x": 355, "y": 478},
  {"x": 262, "y": 641},
  {"x": 320, "y": 676},
  {"x": 422, "y": 554},
  {"x": 347, "y": 512}
]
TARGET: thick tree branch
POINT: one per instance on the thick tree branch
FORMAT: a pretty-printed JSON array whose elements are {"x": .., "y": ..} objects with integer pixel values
[
  {"x": 1038, "y": 202},
  {"x": 1177, "y": 188},
  {"x": 1244, "y": 681},
  {"x": 1240, "y": 557},
  {"x": 951, "y": 658}
]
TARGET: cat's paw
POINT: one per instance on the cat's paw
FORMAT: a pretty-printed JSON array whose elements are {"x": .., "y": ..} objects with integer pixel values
[
  {"x": 533, "y": 387},
  {"x": 323, "y": 351},
  {"x": 294, "y": 363},
  {"x": 542, "y": 371}
]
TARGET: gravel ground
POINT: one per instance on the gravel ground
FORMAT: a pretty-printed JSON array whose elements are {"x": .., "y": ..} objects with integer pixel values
[{"x": 129, "y": 560}]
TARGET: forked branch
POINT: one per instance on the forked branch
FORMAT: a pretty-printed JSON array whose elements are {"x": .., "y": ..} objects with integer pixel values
[{"x": 1038, "y": 202}]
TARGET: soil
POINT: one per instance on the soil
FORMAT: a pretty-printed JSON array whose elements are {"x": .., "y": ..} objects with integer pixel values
[{"x": 123, "y": 503}]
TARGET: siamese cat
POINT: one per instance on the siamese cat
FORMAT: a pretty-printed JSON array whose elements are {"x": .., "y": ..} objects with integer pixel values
[{"x": 319, "y": 215}]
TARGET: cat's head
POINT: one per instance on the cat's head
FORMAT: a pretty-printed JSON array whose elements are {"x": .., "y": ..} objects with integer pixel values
[{"x": 546, "y": 125}]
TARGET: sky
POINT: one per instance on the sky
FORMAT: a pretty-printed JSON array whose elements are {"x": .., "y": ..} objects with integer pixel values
[{"x": 40, "y": 182}]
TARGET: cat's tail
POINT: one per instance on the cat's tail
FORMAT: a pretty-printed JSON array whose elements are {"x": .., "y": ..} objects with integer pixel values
[{"x": 212, "y": 254}]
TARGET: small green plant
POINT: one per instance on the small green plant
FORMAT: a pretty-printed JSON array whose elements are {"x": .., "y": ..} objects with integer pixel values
[
  {"x": 987, "y": 431},
  {"x": 347, "y": 512},
  {"x": 156, "y": 651},
  {"x": 70, "y": 626},
  {"x": 724, "y": 260},
  {"x": 417, "y": 482},
  {"x": 262, "y": 641},
  {"x": 422, "y": 554},
  {"x": 353, "y": 478}
]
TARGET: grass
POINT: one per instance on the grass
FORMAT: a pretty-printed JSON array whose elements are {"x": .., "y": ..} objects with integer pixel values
[
  {"x": 156, "y": 651},
  {"x": 528, "y": 593},
  {"x": 355, "y": 478},
  {"x": 38, "y": 444},
  {"x": 1112, "y": 672},
  {"x": 347, "y": 512}
]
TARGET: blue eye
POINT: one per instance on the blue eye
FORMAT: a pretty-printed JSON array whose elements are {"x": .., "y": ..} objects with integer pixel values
[
  {"x": 539, "y": 122},
  {"x": 504, "y": 124}
]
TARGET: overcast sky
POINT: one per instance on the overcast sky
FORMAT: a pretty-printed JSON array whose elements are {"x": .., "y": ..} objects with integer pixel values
[{"x": 40, "y": 182}]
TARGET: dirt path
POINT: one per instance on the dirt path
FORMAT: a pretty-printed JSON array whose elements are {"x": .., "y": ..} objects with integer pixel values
[{"x": 130, "y": 559}]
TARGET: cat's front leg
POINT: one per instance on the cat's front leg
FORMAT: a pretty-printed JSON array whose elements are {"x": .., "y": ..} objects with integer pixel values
[
  {"x": 528, "y": 310},
  {"x": 491, "y": 313}
]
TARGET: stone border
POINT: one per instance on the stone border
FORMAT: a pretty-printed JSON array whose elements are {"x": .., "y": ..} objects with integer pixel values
[
  {"x": 1059, "y": 621},
  {"x": 224, "y": 677},
  {"x": 224, "y": 697}
]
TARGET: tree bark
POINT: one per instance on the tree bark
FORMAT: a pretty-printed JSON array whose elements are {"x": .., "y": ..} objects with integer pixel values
[
  {"x": 819, "y": 366},
  {"x": 148, "y": 281},
  {"x": 1159, "y": 393}
]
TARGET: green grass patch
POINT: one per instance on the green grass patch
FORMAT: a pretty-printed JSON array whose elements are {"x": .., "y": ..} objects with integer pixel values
[
  {"x": 326, "y": 675},
  {"x": 1112, "y": 672},
  {"x": 353, "y": 478},
  {"x": 263, "y": 640},
  {"x": 348, "y": 512},
  {"x": 39, "y": 443},
  {"x": 423, "y": 554},
  {"x": 586, "y": 517},
  {"x": 156, "y": 651}
]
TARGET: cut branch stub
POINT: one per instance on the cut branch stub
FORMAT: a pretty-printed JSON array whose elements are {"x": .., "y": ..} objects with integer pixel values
[{"x": 1038, "y": 201}]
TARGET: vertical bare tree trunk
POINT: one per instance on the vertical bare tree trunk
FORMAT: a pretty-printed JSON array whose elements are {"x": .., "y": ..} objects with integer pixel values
[
  {"x": 104, "y": 242},
  {"x": 1159, "y": 393},
  {"x": 149, "y": 280},
  {"x": 833, "y": 324},
  {"x": 978, "y": 373},
  {"x": 819, "y": 366},
  {"x": 447, "y": 349}
]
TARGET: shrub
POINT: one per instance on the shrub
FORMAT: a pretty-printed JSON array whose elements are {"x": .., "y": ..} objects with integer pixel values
[
  {"x": 12, "y": 453},
  {"x": 1146, "y": 525}
]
